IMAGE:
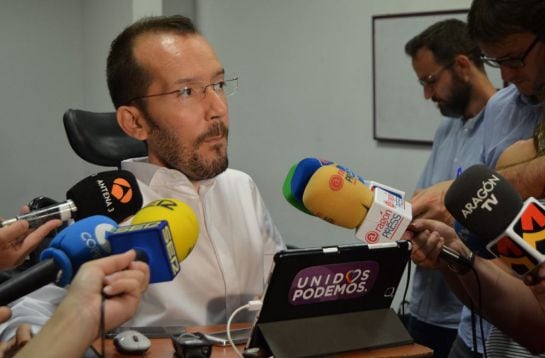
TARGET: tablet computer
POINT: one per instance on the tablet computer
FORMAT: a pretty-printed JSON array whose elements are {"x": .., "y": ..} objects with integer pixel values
[{"x": 336, "y": 297}]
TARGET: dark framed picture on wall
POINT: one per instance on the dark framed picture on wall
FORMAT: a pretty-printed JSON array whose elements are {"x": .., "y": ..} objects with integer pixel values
[{"x": 400, "y": 111}]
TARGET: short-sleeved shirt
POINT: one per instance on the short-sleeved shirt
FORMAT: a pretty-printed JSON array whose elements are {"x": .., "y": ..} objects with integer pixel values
[
  {"x": 509, "y": 117},
  {"x": 454, "y": 146}
]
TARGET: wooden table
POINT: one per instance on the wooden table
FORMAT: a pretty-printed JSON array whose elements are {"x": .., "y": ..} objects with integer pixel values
[{"x": 162, "y": 347}]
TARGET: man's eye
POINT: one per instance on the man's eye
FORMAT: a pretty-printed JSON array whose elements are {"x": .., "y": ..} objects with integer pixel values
[
  {"x": 219, "y": 85},
  {"x": 186, "y": 92}
]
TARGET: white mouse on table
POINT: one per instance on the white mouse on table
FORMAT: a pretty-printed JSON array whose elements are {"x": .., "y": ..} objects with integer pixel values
[{"x": 131, "y": 342}]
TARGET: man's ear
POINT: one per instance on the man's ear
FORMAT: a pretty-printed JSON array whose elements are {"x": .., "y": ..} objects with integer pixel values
[
  {"x": 132, "y": 122},
  {"x": 462, "y": 64}
]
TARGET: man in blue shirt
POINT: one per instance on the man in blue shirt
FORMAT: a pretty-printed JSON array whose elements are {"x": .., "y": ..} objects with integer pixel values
[
  {"x": 448, "y": 65},
  {"x": 511, "y": 34}
]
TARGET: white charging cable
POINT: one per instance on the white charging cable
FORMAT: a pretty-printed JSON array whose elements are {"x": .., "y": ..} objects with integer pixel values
[{"x": 251, "y": 306}]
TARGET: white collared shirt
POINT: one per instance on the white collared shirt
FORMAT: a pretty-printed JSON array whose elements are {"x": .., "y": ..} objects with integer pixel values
[{"x": 228, "y": 266}]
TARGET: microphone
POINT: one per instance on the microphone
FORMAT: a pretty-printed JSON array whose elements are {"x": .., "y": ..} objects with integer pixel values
[
  {"x": 112, "y": 193},
  {"x": 288, "y": 193},
  {"x": 297, "y": 179},
  {"x": 165, "y": 231},
  {"x": 486, "y": 204},
  {"x": 162, "y": 243},
  {"x": 337, "y": 195},
  {"x": 302, "y": 173},
  {"x": 78, "y": 243}
]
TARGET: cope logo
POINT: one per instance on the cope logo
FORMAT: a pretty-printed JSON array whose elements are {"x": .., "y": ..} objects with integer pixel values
[
  {"x": 121, "y": 190},
  {"x": 333, "y": 282},
  {"x": 96, "y": 242}
]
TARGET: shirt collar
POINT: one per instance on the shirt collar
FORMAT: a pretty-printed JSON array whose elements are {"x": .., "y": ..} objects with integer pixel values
[
  {"x": 472, "y": 122},
  {"x": 527, "y": 100},
  {"x": 150, "y": 174}
]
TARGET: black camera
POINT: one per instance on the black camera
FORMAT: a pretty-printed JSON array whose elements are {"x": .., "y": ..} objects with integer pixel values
[{"x": 191, "y": 345}]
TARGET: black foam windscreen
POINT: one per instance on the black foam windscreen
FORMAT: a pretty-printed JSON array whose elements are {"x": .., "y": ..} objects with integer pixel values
[
  {"x": 540, "y": 34},
  {"x": 483, "y": 201},
  {"x": 112, "y": 193}
]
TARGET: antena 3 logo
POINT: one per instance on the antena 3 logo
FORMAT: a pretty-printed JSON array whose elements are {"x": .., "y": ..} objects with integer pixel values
[
  {"x": 120, "y": 190},
  {"x": 333, "y": 282},
  {"x": 484, "y": 197}
]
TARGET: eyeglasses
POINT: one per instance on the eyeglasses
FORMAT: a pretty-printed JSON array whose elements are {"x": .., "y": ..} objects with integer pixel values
[
  {"x": 196, "y": 91},
  {"x": 507, "y": 61},
  {"x": 430, "y": 80}
]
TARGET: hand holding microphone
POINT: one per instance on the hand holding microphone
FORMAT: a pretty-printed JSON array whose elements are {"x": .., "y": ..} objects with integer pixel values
[
  {"x": 513, "y": 230},
  {"x": 98, "y": 236},
  {"x": 341, "y": 197},
  {"x": 16, "y": 243},
  {"x": 317, "y": 187},
  {"x": 435, "y": 242},
  {"x": 428, "y": 203},
  {"x": 121, "y": 279},
  {"x": 113, "y": 193},
  {"x": 165, "y": 231}
]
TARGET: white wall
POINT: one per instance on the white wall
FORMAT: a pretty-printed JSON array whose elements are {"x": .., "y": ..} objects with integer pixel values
[
  {"x": 41, "y": 55},
  {"x": 305, "y": 78},
  {"x": 53, "y": 57}
]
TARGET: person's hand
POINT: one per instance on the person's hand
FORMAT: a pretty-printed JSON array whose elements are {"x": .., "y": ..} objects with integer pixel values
[
  {"x": 429, "y": 203},
  {"x": 12, "y": 346},
  {"x": 536, "y": 282},
  {"x": 16, "y": 243},
  {"x": 428, "y": 237},
  {"x": 5, "y": 314},
  {"x": 120, "y": 278}
]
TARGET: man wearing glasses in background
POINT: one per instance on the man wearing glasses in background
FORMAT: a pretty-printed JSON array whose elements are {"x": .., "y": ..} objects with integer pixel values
[
  {"x": 448, "y": 65},
  {"x": 511, "y": 34},
  {"x": 170, "y": 90},
  {"x": 513, "y": 44}
]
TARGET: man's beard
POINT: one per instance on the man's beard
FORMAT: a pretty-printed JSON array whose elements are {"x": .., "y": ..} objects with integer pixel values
[
  {"x": 456, "y": 105},
  {"x": 186, "y": 158}
]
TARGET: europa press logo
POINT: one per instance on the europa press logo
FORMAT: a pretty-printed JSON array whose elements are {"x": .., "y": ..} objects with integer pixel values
[
  {"x": 121, "y": 190},
  {"x": 333, "y": 282}
]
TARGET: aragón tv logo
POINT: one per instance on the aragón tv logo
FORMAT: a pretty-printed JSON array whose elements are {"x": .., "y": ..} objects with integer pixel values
[{"x": 333, "y": 282}]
